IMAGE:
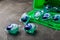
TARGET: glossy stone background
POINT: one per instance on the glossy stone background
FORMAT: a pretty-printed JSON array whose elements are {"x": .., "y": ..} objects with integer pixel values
[{"x": 10, "y": 12}]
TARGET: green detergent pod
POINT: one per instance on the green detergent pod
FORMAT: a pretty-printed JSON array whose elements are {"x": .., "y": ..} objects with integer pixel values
[
  {"x": 30, "y": 28},
  {"x": 38, "y": 14},
  {"x": 56, "y": 18},
  {"x": 47, "y": 17},
  {"x": 13, "y": 29}
]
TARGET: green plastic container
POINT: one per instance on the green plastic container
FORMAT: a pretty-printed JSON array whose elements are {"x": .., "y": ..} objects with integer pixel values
[
  {"x": 54, "y": 2},
  {"x": 38, "y": 5},
  {"x": 48, "y": 23}
]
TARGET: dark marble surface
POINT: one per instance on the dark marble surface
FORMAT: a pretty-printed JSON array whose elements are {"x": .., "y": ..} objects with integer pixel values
[{"x": 10, "y": 12}]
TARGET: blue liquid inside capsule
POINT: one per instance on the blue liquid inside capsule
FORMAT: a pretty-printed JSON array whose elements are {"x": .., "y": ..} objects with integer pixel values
[
  {"x": 28, "y": 27},
  {"x": 24, "y": 19},
  {"x": 56, "y": 18},
  {"x": 9, "y": 27},
  {"x": 46, "y": 16}
]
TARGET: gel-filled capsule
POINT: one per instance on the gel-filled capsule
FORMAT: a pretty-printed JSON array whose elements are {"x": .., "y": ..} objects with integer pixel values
[
  {"x": 30, "y": 28},
  {"x": 46, "y": 16},
  {"x": 24, "y": 17},
  {"x": 56, "y": 17},
  {"x": 12, "y": 29}
]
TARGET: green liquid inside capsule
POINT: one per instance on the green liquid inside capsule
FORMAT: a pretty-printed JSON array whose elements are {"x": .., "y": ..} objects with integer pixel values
[{"x": 14, "y": 30}]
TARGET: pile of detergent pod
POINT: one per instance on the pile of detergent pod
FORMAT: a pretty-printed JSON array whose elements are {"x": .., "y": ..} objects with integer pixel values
[
  {"x": 14, "y": 28},
  {"x": 43, "y": 14},
  {"x": 55, "y": 17},
  {"x": 46, "y": 16},
  {"x": 52, "y": 8},
  {"x": 29, "y": 27}
]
